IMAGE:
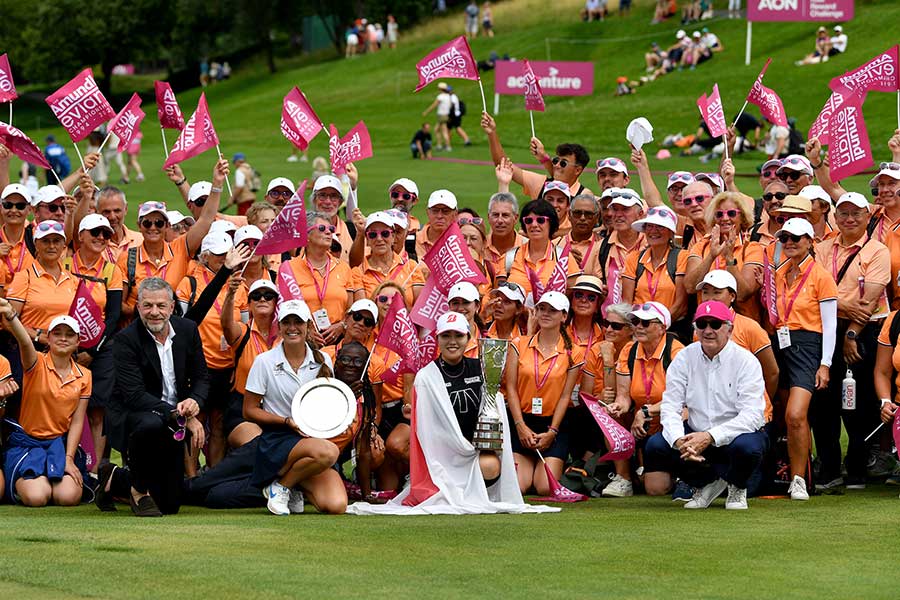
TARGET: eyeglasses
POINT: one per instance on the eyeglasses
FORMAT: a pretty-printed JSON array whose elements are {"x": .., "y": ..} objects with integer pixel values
[
  {"x": 561, "y": 162},
  {"x": 323, "y": 228},
  {"x": 54, "y": 208},
  {"x": 351, "y": 361},
  {"x": 367, "y": 321},
  {"x": 469, "y": 221},
  {"x": 149, "y": 223},
  {"x": 614, "y": 325},
  {"x": 179, "y": 432},
  {"x": 770, "y": 173},
  {"x": 590, "y": 297},
  {"x": 784, "y": 237},
  {"x": 792, "y": 175},
  {"x": 373, "y": 235},
  {"x": 200, "y": 202},
  {"x": 100, "y": 232},
  {"x": 687, "y": 201},
  {"x": 16, "y": 205},
  {"x": 855, "y": 214},
  {"x": 714, "y": 324},
  {"x": 263, "y": 296},
  {"x": 583, "y": 214},
  {"x": 540, "y": 220},
  {"x": 889, "y": 165},
  {"x": 769, "y": 196},
  {"x": 676, "y": 177},
  {"x": 730, "y": 213},
  {"x": 609, "y": 162},
  {"x": 286, "y": 194},
  {"x": 329, "y": 196},
  {"x": 405, "y": 195}
]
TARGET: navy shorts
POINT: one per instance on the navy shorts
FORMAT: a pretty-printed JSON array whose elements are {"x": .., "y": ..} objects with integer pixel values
[
  {"x": 799, "y": 362},
  {"x": 391, "y": 417},
  {"x": 271, "y": 455},
  {"x": 560, "y": 447}
]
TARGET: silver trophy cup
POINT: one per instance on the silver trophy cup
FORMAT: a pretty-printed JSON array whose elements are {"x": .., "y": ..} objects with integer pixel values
[{"x": 489, "y": 429}]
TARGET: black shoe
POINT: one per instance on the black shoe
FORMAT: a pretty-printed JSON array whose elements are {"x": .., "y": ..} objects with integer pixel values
[
  {"x": 102, "y": 498},
  {"x": 144, "y": 507}
]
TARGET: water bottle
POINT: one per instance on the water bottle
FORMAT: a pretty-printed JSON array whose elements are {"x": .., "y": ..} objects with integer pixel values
[{"x": 848, "y": 395}]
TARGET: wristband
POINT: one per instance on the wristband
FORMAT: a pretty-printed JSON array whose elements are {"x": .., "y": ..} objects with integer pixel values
[
  {"x": 818, "y": 166},
  {"x": 545, "y": 158},
  {"x": 553, "y": 429},
  {"x": 884, "y": 401},
  {"x": 517, "y": 423},
  {"x": 180, "y": 183},
  {"x": 646, "y": 411},
  {"x": 215, "y": 189}
]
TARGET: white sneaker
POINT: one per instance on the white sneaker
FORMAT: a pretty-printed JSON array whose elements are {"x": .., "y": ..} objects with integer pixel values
[
  {"x": 292, "y": 158},
  {"x": 737, "y": 498},
  {"x": 705, "y": 495},
  {"x": 278, "y": 497},
  {"x": 295, "y": 503},
  {"x": 797, "y": 489},
  {"x": 619, "y": 487}
]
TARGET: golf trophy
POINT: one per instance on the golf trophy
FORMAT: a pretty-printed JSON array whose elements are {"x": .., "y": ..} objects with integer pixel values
[{"x": 489, "y": 429}]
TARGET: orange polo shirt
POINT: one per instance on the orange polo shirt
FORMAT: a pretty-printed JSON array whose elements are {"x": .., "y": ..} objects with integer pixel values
[
  {"x": 97, "y": 289},
  {"x": 649, "y": 381},
  {"x": 514, "y": 336},
  {"x": 19, "y": 257},
  {"x": 892, "y": 242},
  {"x": 330, "y": 292},
  {"x": 48, "y": 402},
  {"x": 533, "y": 184},
  {"x": 884, "y": 339},
  {"x": 549, "y": 379},
  {"x": 44, "y": 297},
  {"x": 655, "y": 284},
  {"x": 367, "y": 278},
  {"x": 804, "y": 302},
  {"x": 496, "y": 258},
  {"x": 543, "y": 267},
  {"x": 382, "y": 361},
  {"x": 872, "y": 263},
  {"x": 256, "y": 345},
  {"x": 130, "y": 239},
  {"x": 745, "y": 253},
  {"x": 618, "y": 254},
  {"x": 219, "y": 355},
  {"x": 423, "y": 244},
  {"x": 173, "y": 266}
]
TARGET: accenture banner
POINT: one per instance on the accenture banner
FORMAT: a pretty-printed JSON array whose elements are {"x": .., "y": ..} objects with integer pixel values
[
  {"x": 799, "y": 10},
  {"x": 556, "y": 78}
]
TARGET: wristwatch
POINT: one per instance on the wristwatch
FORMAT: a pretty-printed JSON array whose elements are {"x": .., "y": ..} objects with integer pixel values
[
  {"x": 731, "y": 263},
  {"x": 646, "y": 410},
  {"x": 851, "y": 335},
  {"x": 37, "y": 335}
]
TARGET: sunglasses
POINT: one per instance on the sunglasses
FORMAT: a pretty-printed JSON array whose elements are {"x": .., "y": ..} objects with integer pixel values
[
  {"x": 469, "y": 221},
  {"x": 367, "y": 321},
  {"x": 613, "y": 325},
  {"x": 351, "y": 361},
  {"x": 583, "y": 214},
  {"x": 770, "y": 173},
  {"x": 511, "y": 285},
  {"x": 590, "y": 297},
  {"x": 769, "y": 196},
  {"x": 323, "y": 228},
  {"x": 730, "y": 213},
  {"x": 687, "y": 201},
  {"x": 405, "y": 195},
  {"x": 103, "y": 232},
  {"x": 200, "y": 202},
  {"x": 635, "y": 322},
  {"x": 179, "y": 432},
  {"x": 661, "y": 211},
  {"x": 714, "y": 324},
  {"x": 889, "y": 165},
  {"x": 16, "y": 205},
  {"x": 780, "y": 219},
  {"x": 55, "y": 208},
  {"x": 784, "y": 237},
  {"x": 373, "y": 235},
  {"x": 609, "y": 162},
  {"x": 51, "y": 226},
  {"x": 622, "y": 195},
  {"x": 265, "y": 296},
  {"x": 540, "y": 220},
  {"x": 382, "y": 299},
  {"x": 792, "y": 175},
  {"x": 286, "y": 194},
  {"x": 149, "y": 223},
  {"x": 685, "y": 177},
  {"x": 563, "y": 163}
]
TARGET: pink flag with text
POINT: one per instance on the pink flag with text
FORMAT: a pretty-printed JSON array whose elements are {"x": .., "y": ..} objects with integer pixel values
[
  {"x": 7, "y": 86},
  {"x": 896, "y": 429},
  {"x": 881, "y": 74},
  {"x": 89, "y": 316},
  {"x": 453, "y": 60},
  {"x": 80, "y": 106},
  {"x": 450, "y": 261},
  {"x": 819, "y": 128},
  {"x": 397, "y": 332},
  {"x": 767, "y": 100},
  {"x": 167, "y": 109},
  {"x": 558, "y": 492},
  {"x": 127, "y": 124},
  {"x": 288, "y": 230},
  {"x": 299, "y": 122},
  {"x": 432, "y": 303},
  {"x": 288, "y": 288},
  {"x": 557, "y": 281},
  {"x": 849, "y": 151},
  {"x": 713, "y": 112},
  {"x": 534, "y": 97},
  {"x": 197, "y": 137},
  {"x": 354, "y": 146},
  {"x": 619, "y": 441},
  {"x": 22, "y": 146}
]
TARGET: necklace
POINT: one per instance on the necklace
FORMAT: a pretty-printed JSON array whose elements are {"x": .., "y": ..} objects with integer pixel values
[{"x": 447, "y": 369}]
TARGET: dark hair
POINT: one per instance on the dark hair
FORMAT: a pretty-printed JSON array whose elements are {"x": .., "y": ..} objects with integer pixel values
[
  {"x": 582, "y": 158},
  {"x": 324, "y": 370},
  {"x": 567, "y": 342},
  {"x": 368, "y": 396},
  {"x": 471, "y": 211},
  {"x": 540, "y": 208}
]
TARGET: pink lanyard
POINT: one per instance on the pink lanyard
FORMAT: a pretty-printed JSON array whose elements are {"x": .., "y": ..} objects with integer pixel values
[
  {"x": 590, "y": 337},
  {"x": 590, "y": 249},
  {"x": 648, "y": 381},
  {"x": 6, "y": 258},
  {"x": 789, "y": 305},
  {"x": 162, "y": 273},
  {"x": 650, "y": 287},
  {"x": 391, "y": 275},
  {"x": 537, "y": 370},
  {"x": 320, "y": 291},
  {"x": 216, "y": 304}
]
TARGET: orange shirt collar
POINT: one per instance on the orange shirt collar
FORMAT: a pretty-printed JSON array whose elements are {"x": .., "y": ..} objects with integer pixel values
[{"x": 560, "y": 346}]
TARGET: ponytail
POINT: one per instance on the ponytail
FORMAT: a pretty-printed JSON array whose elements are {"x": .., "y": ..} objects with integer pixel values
[
  {"x": 567, "y": 343},
  {"x": 324, "y": 370}
]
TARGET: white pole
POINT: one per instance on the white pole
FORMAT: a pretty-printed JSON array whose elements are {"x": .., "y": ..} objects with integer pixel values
[
  {"x": 497, "y": 103},
  {"x": 227, "y": 181},
  {"x": 78, "y": 152},
  {"x": 10, "y": 112},
  {"x": 898, "y": 110},
  {"x": 531, "y": 118},
  {"x": 749, "y": 45},
  {"x": 740, "y": 112},
  {"x": 483, "y": 100},
  {"x": 162, "y": 130},
  {"x": 100, "y": 150}
]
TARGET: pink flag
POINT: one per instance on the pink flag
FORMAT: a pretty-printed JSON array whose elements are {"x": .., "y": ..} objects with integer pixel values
[
  {"x": 89, "y": 317},
  {"x": 299, "y": 122},
  {"x": 22, "y": 146},
  {"x": 534, "y": 97},
  {"x": 425, "y": 353},
  {"x": 197, "y": 137},
  {"x": 619, "y": 441},
  {"x": 421, "y": 486},
  {"x": 354, "y": 146},
  {"x": 767, "y": 100},
  {"x": 288, "y": 288},
  {"x": 80, "y": 106},
  {"x": 557, "y": 281},
  {"x": 768, "y": 290},
  {"x": 167, "y": 109},
  {"x": 87, "y": 444},
  {"x": 819, "y": 128},
  {"x": 713, "y": 112},
  {"x": 881, "y": 74},
  {"x": 288, "y": 230},
  {"x": 432, "y": 303},
  {"x": 397, "y": 332},
  {"x": 452, "y": 60},
  {"x": 127, "y": 124},
  {"x": 7, "y": 87},
  {"x": 849, "y": 151},
  {"x": 559, "y": 493},
  {"x": 537, "y": 288},
  {"x": 451, "y": 262},
  {"x": 896, "y": 429}
]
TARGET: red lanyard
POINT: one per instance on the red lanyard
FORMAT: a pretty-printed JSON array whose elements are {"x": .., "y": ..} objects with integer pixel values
[
  {"x": 21, "y": 254},
  {"x": 320, "y": 291},
  {"x": 789, "y": 305},
  {"x": 648, "y": 381},
  {"x": 206, "y": 281},
  {"x": 650, "y": 287},
  {"x": 391, "y": 276},
  {"x": 88, "y": 284},
  {"x": 537, "y": 370},
  {"x": 584, "y": 259}
]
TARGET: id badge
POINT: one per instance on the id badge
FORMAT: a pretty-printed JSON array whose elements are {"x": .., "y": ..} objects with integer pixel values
[
  {"x": 537, "y": 406},
  {"x": 223, "y": 343},
  {"x": 784, "y": 338},
  {"x": 321, "y": 319}
]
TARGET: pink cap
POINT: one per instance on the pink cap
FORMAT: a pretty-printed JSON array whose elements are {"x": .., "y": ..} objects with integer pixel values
[{"x": 714, "y": 310}]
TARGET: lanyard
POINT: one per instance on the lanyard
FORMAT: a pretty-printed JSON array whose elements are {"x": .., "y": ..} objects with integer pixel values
[
  {"x": 206, "y": 281},
  {"x": 320, "y": 291},
  {"x": 648, "y": 381},
  {"x": 162, "y": 272},
  {"x": 590, "y": 249},
  {"x": 537, "y": 370},
  {"x": 255, "y": 337},
  {"x": 88, "y": 284},
  {"x": 650, "y": 287},
  {"x": 391, "y": 276},
  {"x": 21, "y": 253},
  {"x": 789, "y": 305},
  {"x": 590, "y": 337}
]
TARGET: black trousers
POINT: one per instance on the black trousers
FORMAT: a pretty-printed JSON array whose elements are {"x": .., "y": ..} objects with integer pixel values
[{"x": 227, "y": 485}]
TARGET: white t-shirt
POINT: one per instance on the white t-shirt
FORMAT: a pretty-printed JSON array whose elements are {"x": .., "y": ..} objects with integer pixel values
[
  {"x": 445, "y": 102},
  {"x": 710, "y": 40},
  {"x": 776, "y": 133},
  {"x": 839, "y": 42},
  {"x": 592, "y": 4},
  {"x": 272, "y": 378},
  {"x": 240, "y": 178}
]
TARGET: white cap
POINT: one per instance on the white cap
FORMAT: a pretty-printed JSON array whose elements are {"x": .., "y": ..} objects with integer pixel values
[
  {"x": 719, "y": 279},
  {"x": 772, "y": 162},
  {"x": 198, "y": 190},
  {"x": 680, "y": 177},
  {"x": 16, "y": 188},
  {"x": 465, "y": 290},
  {"x": 175, "y": 217},
  {"x": 795, "y": 162},
  {"x": 658, "y": 215},
  {"x": 884, "y": 170},
  {"x": 652, "y": 311},
  {"x": 696, "y": 34},
  {"x": 93, "y": 221},
  {"x": 613, "y": 162},
  {"x": 216, "y": 242},
  {"x": 65, "y": 320},
  {"x": 47, "y": 194},
  {"x": 281, "y": 182},
  {"x": 854, "y": 198},
  {"x": 452, "y": 321},
  {"x": 815, "y": 192},
  {"x": 624, "y": 197},
  {"x": 298, "y": 308},
  {"x": 262, "y": 283},
  {"x": 151, "y": 207},
  {"x": 49, "y": 227},
  {"x": 516, "y": 295},
  {"x": 380, "y": 217},
  {"x": 408, "y": 184},
  {"x": 222, "y": 225},
  {"x": 556, "y": 300},
  {"x": 328, "y": 181},
  {"x": 797, "y": 226},
  {"x": 713, "y": 178},
  {"x": 364, "y": 305},
  {"x": 838, "y": 28},
  {"x": 442, "y": 198},
  {"x": 680, "y": 34},
  {"x": 400, "y": 218},
  {"x": 247, "y": 232},
  {"x": 559, "y": 186}
]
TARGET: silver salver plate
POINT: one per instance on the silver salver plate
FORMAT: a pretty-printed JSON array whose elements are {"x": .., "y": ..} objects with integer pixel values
[{"x": 323, "y": 407}]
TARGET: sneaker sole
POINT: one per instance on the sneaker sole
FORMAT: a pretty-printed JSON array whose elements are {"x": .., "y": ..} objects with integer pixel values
[
  {"x": 739, "y": 507},
  {"x": 276, "y": 513}
]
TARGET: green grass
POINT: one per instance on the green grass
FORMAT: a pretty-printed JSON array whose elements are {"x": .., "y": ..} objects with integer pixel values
[{"x": 832, "y": 546}]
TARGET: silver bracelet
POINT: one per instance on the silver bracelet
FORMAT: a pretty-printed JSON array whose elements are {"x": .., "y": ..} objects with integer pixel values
[{"x": 215, "y": 189}]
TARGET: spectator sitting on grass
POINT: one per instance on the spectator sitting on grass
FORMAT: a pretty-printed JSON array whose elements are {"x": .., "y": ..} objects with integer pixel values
[
  {"x": 421, "y": 143},
  {"x": 594, "y": 10},
  {"x": 821, "y": 53},
  {"x": 664, "y": 10},
  {"x": 654, "y": 59},
  {"x": 838, "y": 42},
  {"x": 622, "y": 87}
]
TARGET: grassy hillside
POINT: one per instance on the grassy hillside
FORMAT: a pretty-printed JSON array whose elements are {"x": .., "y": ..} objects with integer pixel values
[{"x": 378, "y": 89}]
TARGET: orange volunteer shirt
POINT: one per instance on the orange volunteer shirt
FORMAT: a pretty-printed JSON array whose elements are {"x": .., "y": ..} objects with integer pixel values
[
  {"x": 173, "y": 266},
  {"x": 655, "y": 285},
  {"x": 130, "y": 239},
  {"x": 17, "y": 259},
  {"x": 255, "y": 346},
  {"x": 543, "y": 267},
  {"x": 330, "y": 292},
  {"x": 798, "y": 308},
  {"x": 649, "y": 381},
  {"x": 745, "y": 253},
  {"x": 872, "y": 262},
  {"x": 48, "y": 402},
  {"x": 44, "y": 297},
  {"x": 96, "y": 288},
  {"x": 542, "y": 376},
  {"x": 496, "y": 258},
  {"x": 367, "y": 278},
  {"x": 884, "y": 339},
  {"x": 382, "y": 361}
]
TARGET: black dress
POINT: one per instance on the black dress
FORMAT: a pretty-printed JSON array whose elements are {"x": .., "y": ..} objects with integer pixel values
[{"x": 464, "y": 382}]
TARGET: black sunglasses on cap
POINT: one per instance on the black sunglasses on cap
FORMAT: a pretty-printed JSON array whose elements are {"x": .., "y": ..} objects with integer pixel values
[{"x": 366, "y": 320}]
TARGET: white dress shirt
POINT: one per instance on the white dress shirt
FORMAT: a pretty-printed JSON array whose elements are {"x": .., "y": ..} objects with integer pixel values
[
  {"x": 724, "y": 396},
  {"x": 167, "y": 365}
]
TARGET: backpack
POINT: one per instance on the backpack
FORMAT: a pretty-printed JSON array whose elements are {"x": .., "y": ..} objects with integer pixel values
[
  {"x": 461, "y": 108},
  {"x": 105, "y": 274},
  {"x": 686, "y": 236},
  {"x": 671, "y": 264},
  {"x": 666, "y": 354},
  {"x": 755, "y": 234},
  {"x": 795, "y": 142},
  {"x": 255, "y": 180}
]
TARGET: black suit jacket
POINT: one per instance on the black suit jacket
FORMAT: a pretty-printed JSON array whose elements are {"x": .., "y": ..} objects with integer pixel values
[{"x": 139, "y": 374}]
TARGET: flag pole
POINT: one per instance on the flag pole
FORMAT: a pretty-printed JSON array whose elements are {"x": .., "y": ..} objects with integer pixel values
[
  {"x": 58, "y": 180},
  {"x": 78, "y": 152},
  {"x": 483, "y": 100},
  {"x": 368, "y": 359},
  {"x": 100, "y": 149},
  {"x": 880, "y": 425},
  {"x": 531, "y": 117},
  {"x": 10, "y": 109},
  {"x": 411, "y": 273},
  {"x": 162, "y": 130},
  {"x": 740, "y": 113},
  {"x": 227, "y": 180}
]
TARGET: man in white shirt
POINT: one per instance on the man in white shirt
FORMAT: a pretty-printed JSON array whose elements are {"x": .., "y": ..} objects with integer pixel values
[
  {"x": 443, "y": 103},
  {"x": 722, "y": 442},
  {"x": 838, "y": 42}
]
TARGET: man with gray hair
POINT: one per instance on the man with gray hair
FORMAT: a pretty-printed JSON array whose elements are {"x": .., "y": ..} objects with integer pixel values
[
  {"x": 111, "y": 203},
  {"x": 584, "y": 212},
  {"x": 503, "y": 214},
  {"x": 161, "y": 386}
]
